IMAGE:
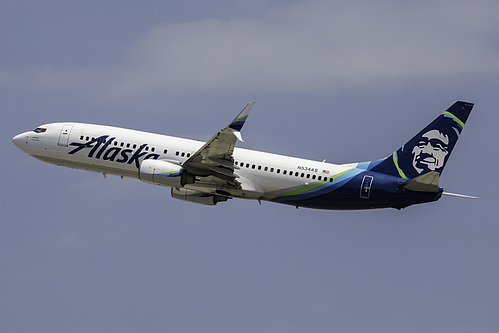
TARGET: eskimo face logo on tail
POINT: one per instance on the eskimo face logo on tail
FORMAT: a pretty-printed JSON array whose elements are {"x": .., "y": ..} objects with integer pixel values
[
  {"x": 431, "y": 148},
  {"x": 430, "y": 152},
  {"x": 102, "y": 148}
]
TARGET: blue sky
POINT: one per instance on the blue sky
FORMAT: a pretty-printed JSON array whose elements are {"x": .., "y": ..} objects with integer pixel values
[{"x": 341, "y": 81}]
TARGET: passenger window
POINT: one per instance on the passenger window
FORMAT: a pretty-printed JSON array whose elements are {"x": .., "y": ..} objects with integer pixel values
[
  {"x": 128, "y": 145},
  {"x": 259, "y": 167},
  {"x": 165, "y": 151},
  {"x": 247, "y": 165},
  {"x": 183, "y": 154},
  {"x": 81, "y": 137},
  {"x": 177, "y": 153},
  {"x": 284, "y": 172},
  {"x": 147, "y": 148},
  {"x": 253, "y": 166},
  {"x": 88, "y": 138},
  {"x": 152, "y": 149},
  {"x": 302, "y": 175},
  {"x": 278, "y": 171},
  {"x": 308, "y": 175},
  {"x": 297, "y": 173},
  {"x": 319, "y": 178},
  {"x": 331, "y": 179},
  {"x": 266, "y": 169},
  {"x": 134, "y": 146},
  {"x": 271, "y": 169}
]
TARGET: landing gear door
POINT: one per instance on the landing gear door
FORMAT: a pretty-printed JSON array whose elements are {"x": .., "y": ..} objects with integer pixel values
[
  {"x": 64, "y": 136},
  {"x": 365, "y": 187}
]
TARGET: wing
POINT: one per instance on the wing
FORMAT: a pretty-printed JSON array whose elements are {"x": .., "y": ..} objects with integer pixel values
[{"x": 213, "y": 163}]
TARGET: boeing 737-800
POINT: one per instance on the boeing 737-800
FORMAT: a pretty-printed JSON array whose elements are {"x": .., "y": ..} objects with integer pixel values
[{"x": 214, "y": 171}]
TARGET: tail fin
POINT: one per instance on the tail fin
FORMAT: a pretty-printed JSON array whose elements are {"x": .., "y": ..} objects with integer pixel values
[{"x": 430, "y": 149}]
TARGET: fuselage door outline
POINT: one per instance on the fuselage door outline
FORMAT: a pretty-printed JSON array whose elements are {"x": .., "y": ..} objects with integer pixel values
[
  {"x": 365, "y": 186},
  {"x": 64, "y": 136}
]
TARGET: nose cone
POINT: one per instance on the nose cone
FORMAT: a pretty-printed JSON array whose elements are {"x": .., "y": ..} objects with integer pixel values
[{"x": 20, "y": 140}]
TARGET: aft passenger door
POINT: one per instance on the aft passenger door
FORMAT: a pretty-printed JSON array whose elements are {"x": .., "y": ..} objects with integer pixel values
[{"x": 365, "y": 187}]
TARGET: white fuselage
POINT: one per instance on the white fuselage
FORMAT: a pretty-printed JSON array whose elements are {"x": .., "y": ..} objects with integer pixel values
[{"x": 262, "y": 174}]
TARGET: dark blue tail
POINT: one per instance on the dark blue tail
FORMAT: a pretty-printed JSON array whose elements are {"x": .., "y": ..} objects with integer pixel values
[{"x": 430, "y": 149}]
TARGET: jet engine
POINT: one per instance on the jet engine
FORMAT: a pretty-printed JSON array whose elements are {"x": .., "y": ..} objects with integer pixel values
[
  {"x": 202, "y": 198},
  {"x": 164, "y": 173}
]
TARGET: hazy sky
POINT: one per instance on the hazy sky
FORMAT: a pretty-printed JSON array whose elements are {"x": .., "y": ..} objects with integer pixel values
[{"x": 343, "y": 81}]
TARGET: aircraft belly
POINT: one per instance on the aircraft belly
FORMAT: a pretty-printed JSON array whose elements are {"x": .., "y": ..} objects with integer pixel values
[
  {"x": 122, "y": 170},
  {"x": 341, "y": 202}
]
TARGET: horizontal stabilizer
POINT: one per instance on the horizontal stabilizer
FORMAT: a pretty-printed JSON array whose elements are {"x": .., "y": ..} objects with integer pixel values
[{"x": 427, "y": 182}]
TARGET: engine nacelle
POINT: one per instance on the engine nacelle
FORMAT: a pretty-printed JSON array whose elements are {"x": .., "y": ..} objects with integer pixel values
[
  {"x": 202, "y": 198},
  {"x": 164, "y": 173}
]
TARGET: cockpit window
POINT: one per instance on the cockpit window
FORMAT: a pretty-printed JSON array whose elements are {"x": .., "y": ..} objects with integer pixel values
[{"x": 40, "y": 130}]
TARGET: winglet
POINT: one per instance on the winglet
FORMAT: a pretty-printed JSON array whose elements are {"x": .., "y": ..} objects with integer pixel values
[{"x": 237, "y": 124}]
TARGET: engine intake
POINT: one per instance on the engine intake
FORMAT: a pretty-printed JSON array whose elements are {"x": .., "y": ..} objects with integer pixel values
[{"x": 164, "y": 173}]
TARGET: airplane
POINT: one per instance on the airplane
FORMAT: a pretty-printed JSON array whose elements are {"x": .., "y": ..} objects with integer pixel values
[{"x": 214, "y": 171}]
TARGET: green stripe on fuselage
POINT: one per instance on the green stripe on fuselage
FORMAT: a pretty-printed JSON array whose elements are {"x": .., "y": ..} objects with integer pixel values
[
  {"x": 310, "y": 187},
  {"x": 302, "y": 189}
]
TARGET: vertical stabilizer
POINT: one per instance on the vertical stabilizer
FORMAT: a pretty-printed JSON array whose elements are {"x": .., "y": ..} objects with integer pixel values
[{"x": 430, "y": 149}]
